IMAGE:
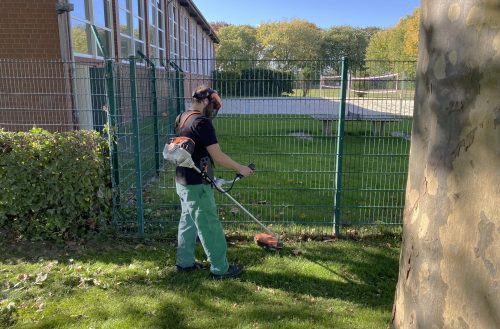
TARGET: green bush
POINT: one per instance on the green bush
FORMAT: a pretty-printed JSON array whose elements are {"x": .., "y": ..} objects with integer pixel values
[
  {"x": 226, "y": 83},
  {"x": 255, "y": 82},
  {"x": 54, "y": 186}
]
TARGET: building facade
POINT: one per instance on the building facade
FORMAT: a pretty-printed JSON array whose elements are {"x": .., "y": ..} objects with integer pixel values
[
  {"x": 162, "y": 29},
  {"x": 33, "y": 33}
]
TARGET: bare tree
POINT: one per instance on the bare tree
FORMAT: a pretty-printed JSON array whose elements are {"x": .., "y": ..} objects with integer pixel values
[{"x": 450, "y": 260}]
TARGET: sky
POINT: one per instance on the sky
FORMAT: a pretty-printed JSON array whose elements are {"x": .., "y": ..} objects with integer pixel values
[{"x": 324, "y": 13}]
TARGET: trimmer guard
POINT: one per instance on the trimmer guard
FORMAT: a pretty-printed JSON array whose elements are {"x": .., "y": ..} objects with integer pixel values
[{"x": 268, "y": 241}]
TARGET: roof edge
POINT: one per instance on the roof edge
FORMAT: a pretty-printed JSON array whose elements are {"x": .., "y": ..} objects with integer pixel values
[{"x": 196, "y": 13}]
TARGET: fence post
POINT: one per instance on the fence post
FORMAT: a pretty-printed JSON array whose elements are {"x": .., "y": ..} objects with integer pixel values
[
  {"x": 113, "y": 145},
  {"x": 340, "y": 146},
  {"x": 154, "y": 109},
  {"x": 137, "y": 148}
]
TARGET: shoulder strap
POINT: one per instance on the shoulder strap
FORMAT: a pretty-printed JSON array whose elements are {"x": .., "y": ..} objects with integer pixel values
[
  {"x": 186, "y": 118},
  {"x": 180, "y": 122}
]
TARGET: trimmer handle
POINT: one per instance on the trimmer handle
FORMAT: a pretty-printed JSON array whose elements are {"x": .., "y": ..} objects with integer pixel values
[{"x": 251, "y": 166}]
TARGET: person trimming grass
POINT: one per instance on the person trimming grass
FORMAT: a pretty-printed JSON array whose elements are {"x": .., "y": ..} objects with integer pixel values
[{"x": 199, "y": 211}]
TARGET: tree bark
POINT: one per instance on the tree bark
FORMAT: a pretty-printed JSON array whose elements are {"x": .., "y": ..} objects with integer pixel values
[{"x": 450, "y": 260}]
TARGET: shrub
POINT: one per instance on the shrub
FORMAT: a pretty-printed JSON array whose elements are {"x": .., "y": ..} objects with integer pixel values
[
  {"x": 226, "y": 82},
  {"x": 54, "y": 186}
]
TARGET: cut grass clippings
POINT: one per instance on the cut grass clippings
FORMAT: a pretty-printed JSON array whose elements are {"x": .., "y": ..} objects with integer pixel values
[{"x": 317, "y": 284}]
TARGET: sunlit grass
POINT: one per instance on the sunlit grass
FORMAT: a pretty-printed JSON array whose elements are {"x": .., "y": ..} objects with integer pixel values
[
  {"x": 335, "y": 284},
  {"x": 295, "y": 178}
]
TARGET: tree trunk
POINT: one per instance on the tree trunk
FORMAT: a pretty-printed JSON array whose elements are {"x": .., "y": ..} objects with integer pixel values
[{"x": 449, "y": 273}]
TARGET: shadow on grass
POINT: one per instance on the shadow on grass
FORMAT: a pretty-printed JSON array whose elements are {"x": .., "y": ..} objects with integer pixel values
[{"x": 363, "y": 274}]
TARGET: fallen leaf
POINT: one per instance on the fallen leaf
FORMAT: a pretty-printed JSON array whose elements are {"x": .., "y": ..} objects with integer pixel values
[
  {"x": 40, "y": 307},
  {"x": 23, "y": 277},
  {"x": 41, "y": 277}
]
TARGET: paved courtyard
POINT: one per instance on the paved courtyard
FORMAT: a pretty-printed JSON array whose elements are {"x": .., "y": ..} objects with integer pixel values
[{"x": 357, "y": 108}]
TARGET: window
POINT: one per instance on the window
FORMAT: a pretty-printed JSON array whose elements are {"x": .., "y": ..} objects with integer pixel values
[
  {"x": 184, "y": 44},
  {"x": 200, "y": 49},
  {"x": 85, "y": 14},
  {"x": 211, "y": 65},
  {"x": 157, "y": 30},
  {"x": 205, "y": 55},
  {"x": 193, "y": 47},
  {"x": 174, "y": 33},
  {"x": 131, "y": 18}
]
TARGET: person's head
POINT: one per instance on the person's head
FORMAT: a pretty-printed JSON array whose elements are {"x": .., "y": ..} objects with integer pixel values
[{"x": 207, "y": 100}]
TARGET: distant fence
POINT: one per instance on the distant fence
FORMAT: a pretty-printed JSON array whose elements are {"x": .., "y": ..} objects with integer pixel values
[{"x": 330, "y": 152}]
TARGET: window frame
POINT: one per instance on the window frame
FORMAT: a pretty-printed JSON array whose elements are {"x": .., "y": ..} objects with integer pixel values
[
  {"x": 158, "y": 32},
  {"x": 199, "y": 38},
  {"x": 194, "y": 50},
  {"x": 140, "y": 15},
  {"x": 210, "y": 55},
  {"x": 205, "y": 54},
  {"x": 173, "y": 23},
  {"x": 185, "y": 43},
  {"x": 88, "y": 21}
]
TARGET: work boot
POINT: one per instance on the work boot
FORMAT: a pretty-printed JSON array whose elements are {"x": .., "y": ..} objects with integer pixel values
[
  {"x": 233, "y": 271},
  {"x": 195, "y": 266}
]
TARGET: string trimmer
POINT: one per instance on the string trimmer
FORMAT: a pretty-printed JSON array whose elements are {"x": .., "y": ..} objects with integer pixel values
[{"x": 179, "y": 151}]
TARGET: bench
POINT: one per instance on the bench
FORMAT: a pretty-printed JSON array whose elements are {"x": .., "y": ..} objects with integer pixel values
[{"x": 376, "y": 120}]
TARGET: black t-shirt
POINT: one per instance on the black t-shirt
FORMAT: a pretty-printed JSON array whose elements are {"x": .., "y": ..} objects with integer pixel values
[{"x": 200, "y": 129}]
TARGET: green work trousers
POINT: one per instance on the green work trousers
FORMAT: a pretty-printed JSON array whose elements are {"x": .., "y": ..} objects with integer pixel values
[{"x": 199, "y": 218}]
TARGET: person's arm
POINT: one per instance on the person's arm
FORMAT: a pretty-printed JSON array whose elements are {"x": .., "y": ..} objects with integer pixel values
[{"x": 224, "y": 160}]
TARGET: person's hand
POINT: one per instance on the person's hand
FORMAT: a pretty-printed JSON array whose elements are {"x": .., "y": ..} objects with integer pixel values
[{"x": 245, "y": 171}]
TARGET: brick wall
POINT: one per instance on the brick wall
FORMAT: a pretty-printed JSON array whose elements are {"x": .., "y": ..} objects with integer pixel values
[
  {"x": 29, "y": 29},
  {"x": 35, "y": 89},
  {"x": 35, "y": 93}
]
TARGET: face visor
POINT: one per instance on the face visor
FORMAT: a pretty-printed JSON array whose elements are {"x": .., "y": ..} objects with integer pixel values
[{"x": 215, "y": 102}]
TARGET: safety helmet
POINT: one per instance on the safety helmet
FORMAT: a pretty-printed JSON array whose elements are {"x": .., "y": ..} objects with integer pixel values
[{"x": 212, "y": 96}]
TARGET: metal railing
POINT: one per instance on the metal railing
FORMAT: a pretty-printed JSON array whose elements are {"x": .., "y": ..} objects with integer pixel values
[{"x": 331, "y": 144}]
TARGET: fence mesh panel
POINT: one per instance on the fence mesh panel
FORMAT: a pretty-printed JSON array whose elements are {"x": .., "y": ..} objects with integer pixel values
[{"x": 283, "y": 116}]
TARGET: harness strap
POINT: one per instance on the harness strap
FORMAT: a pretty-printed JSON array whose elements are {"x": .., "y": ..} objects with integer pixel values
[{"x": 183, "y": 122}]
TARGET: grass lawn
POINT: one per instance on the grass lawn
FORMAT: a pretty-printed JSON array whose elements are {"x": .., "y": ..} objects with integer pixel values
[
  {"x": 295, "y": 178},
  {"x": 317, "y": 284}
]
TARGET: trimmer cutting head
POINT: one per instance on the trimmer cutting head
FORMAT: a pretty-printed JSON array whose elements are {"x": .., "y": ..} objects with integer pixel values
[{"x": 268, "y": 241}]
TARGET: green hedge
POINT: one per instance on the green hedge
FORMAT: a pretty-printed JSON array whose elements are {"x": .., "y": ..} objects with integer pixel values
[
  {"x": 54, "y": 186},
  {"x": 256, "y": 82}
]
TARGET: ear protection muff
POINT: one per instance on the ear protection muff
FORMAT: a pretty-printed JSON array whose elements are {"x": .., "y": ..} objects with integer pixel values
[
  {"x": 212, "y": 96},
  {"x": 215, "y": 99}
]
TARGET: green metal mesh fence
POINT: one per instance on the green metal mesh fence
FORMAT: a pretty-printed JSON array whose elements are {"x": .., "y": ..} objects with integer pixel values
[
  {"x": 281, "y": 115},
  {"x": 284, "y": 117}
]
